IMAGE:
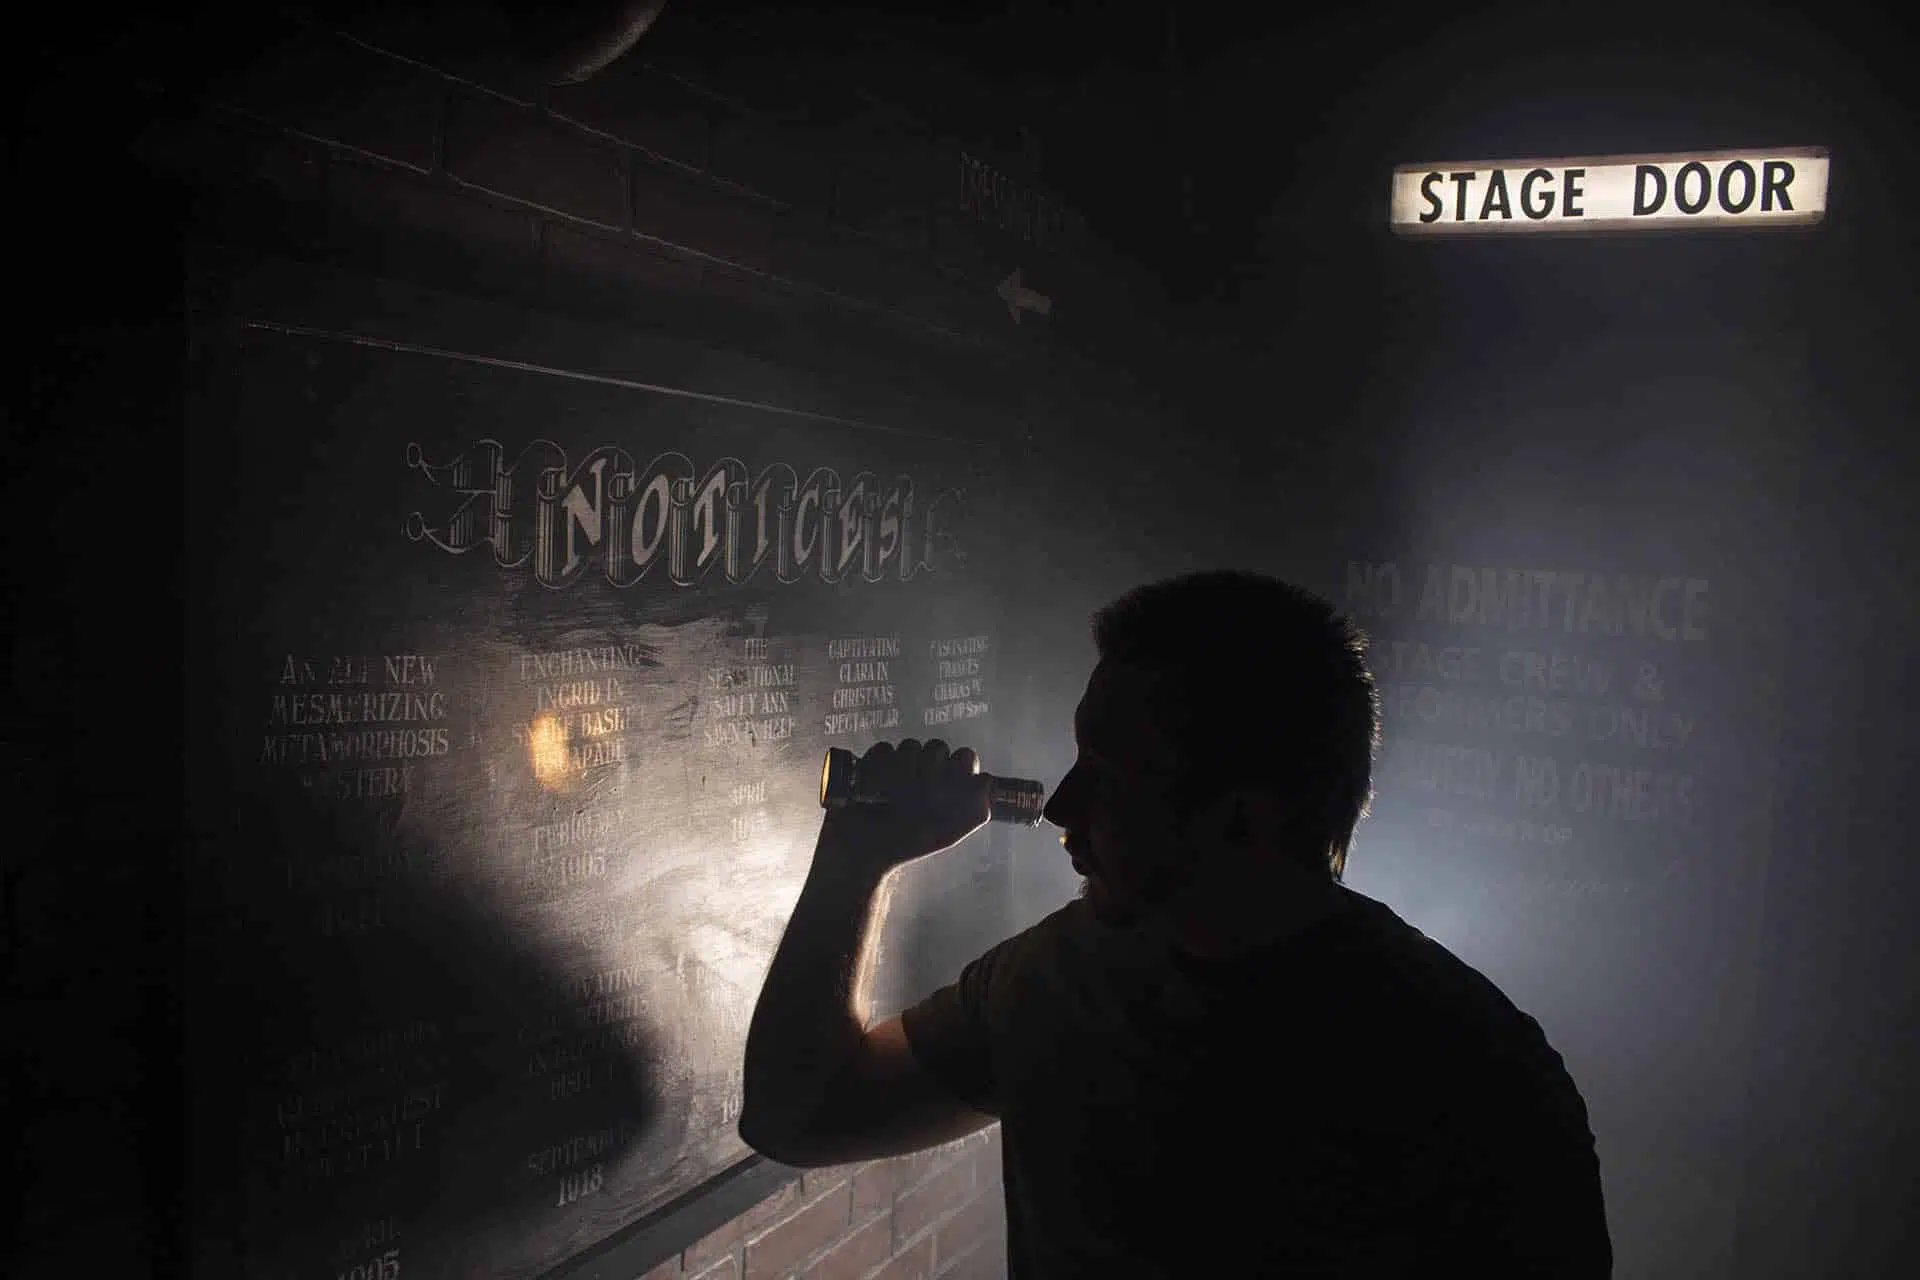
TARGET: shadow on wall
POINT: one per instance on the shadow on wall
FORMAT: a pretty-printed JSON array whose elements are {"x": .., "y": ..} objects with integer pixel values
[{"x": 374, "y": 1054}]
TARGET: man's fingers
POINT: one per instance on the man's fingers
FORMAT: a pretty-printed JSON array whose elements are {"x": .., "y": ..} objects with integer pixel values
[
  {"x": 933, "y": 761},
  {"x": 880, "y": 766},
  {"x": 905, "y": 768},
  {"x": 912, "y": 763}
]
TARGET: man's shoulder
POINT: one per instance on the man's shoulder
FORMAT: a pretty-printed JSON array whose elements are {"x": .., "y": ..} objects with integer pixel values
[
  {"x": 1066, "y": 926},
  {"x": 1420, "y": 976},
  {"x": 1057, "y": 956}
]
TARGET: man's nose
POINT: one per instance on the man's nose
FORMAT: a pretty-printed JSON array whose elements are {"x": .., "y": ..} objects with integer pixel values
[{"x": 1062, "y": 806}]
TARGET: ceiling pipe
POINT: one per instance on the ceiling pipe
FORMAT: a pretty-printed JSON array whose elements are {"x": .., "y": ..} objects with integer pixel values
[{"x": 573, "y": 42}]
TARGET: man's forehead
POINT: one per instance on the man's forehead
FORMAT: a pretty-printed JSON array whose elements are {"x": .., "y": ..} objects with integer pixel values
[{"x": 1128, "y": 702}]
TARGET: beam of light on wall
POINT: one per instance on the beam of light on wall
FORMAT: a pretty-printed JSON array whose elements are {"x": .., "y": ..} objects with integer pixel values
[
  {"x": 547, "y": 750},
  {"x": 1667, "y": 192}
]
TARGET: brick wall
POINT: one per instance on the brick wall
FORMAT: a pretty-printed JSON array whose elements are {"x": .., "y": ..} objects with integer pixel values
[
  {"x": 652, "y": 180},
  {"x": 939, "y": 1213}
]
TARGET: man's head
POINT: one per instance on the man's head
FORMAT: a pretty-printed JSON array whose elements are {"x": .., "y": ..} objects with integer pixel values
[{"x": 1226, "y": 709}]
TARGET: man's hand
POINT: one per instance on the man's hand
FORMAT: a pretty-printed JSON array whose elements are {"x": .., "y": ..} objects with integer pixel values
[{"x": 933, "y": 799}]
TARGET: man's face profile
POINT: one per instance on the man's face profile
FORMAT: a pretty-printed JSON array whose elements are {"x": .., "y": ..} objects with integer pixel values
[{"x": 1115, "y": 808}]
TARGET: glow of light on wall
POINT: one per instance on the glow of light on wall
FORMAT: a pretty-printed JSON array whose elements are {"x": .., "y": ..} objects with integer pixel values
[
  {"x": 1667, "y": 192},
  {"x": 547, "y": 749}
]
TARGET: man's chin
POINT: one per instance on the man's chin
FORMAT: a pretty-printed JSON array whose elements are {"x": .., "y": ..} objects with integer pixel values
[{"x": 1106, "y": 908}]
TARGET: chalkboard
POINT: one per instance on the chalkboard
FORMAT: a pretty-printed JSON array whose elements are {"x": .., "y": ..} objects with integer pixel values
[{"x": 514, "y": 651}]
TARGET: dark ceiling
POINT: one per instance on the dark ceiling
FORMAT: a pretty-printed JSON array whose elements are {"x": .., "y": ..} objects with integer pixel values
[
  {"x": 1209, "y": 140},
  {"x": 1185, "y": 132}
]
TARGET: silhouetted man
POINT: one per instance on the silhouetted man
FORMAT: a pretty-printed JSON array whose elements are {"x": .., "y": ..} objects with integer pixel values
[{"x": 1218, "y": 1055}]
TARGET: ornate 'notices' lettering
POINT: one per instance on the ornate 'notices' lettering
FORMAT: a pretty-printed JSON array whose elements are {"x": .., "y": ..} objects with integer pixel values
[
  {"x": 670, "y": 518},
  {"x": 863, "y": 699},
  {"x": 960, "y": 685},
  {"x": 357, "y": 727}
]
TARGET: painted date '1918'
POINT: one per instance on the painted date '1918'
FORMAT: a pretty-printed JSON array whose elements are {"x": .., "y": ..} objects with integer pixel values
[{"x": 587, "y": 1182}]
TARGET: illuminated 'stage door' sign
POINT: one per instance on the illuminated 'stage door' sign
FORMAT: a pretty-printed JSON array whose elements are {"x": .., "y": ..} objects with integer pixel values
[{"x": 1787, "y": 187}]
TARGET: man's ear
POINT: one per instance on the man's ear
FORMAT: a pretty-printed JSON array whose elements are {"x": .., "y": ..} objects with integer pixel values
[
  {"x": 1217, "y": 823},
  {"x": 1256, "y": 815}
]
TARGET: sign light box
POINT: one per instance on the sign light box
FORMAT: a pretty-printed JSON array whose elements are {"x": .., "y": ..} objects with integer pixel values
[{"x": 1784, "y": 187}]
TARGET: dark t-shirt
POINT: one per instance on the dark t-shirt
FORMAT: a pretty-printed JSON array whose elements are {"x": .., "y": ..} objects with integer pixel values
[{"x": 1353, "y": 1102}]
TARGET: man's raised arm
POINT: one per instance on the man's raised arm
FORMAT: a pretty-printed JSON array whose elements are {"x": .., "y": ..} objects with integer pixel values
[{"x": 820, "y": 1087}]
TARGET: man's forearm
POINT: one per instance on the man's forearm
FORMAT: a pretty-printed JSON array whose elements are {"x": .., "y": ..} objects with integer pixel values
[{"x": 813, "y": 1009}]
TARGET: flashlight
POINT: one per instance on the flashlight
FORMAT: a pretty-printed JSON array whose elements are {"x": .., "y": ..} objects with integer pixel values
[{"x": 1015, "y": 800}]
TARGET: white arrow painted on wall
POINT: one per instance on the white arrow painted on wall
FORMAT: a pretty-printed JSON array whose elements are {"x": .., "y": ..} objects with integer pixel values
[{"x": 1019, "y": 297}]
